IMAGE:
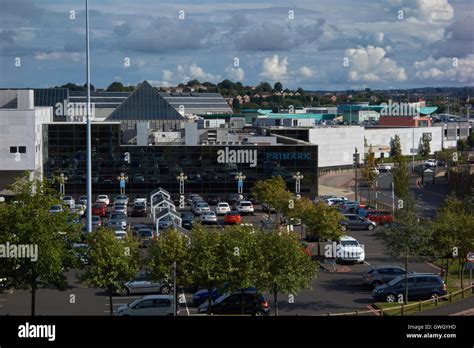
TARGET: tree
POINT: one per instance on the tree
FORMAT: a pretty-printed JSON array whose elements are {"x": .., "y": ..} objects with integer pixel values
[
  {"x": 241, "y": 258},
  {"x": 408, "y": 237},
  {"x": 205, "y": 256},
  {"x": 401, "y": 177},
  {"x": 369, "y": 172},
  {"x": 27, "y": 225},
  {"x": 300, "y": 90},
  {"x": 236, "y": 104},
  {"x": 110, "y": 262},
  {"x": 194, "y": 82},
  {"x": 278, "y": 86},
  {"x": 264, "y": 87},
  {"x": 115, "y": 87},
  {"x": 273, "y": 192},
  {"x": 425, "y": 147},
  {"x": 453, "y": 228},
  {"x": 462, "y": 145},
  {"x": 395, "y": 146},
  {"x": 170, "y": 247},
  {"x": 287, "y": 268},
  {"x": 92, "y": 87}
]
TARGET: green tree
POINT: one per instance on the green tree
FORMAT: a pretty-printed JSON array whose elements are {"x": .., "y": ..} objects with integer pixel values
[
  {"x": 395, "y": 146},
  {"x": 171, "y": 246},
  {"x": 461, "y": 145},
  {"x": 401, "y": 177},
  {"x": 369, "y": 173},
  {"x": 27, "y": 223},
  {"x": 236, "y": 104},
  {"x": 205, "y": 256},
  {"x": 273, "y": 192},
  {"x": 287, "y": 268},
  {"x": 115, "y": 87},
  {"x": 241, "y": 258},
  {"x": 453, "y": 228},
  {"x": 408, "y": 237},
  {"x": 425, "y": 147},
  {"x": 110, "y": 262},
  {"x": 278, "y": 86}
]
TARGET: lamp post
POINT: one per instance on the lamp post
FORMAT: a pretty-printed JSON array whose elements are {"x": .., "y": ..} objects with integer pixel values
[
  {"x": 181, "y": 178},
  {"x": 122, "y": 178},
  {"x": 298, "y": 177},
  {"x": 89, "y": 151},
  {"x": 62, "y": 184},
  {"x": 240, "y": 177}
]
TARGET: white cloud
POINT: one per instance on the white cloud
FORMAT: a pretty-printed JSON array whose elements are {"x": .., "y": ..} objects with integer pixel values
[
  {"x": 235, "y": 74},
  {"x": 273, "y": 68},
  {"x": 167, "y": 75},
  {"x": 196, "y": 72},
  {"x": 183, "y": 74},
  {"x": 432, "y": 11},
  {"x": 306, "y": 72},
  {"x": 446, "y": 69},
  {"x": 74, "y": 56},
  {"x": 370, "y": 64}
]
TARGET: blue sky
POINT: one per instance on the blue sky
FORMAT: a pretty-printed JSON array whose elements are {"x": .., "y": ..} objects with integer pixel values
[{"x": 315, "y": 44}]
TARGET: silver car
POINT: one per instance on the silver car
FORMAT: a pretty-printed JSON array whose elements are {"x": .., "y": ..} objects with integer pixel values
[
  {"x": 142, "y": 285},
  {"x": 379, "y": 275},
  {"x": 121, "y": 199},
  {"x": 208, "y": 217},
  {"x": 160, "y": 305},
  {"x": 200, "y": 208}
]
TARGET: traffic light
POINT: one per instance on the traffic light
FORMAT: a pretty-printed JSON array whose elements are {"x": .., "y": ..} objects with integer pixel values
[{"x": 356, "y": 159}]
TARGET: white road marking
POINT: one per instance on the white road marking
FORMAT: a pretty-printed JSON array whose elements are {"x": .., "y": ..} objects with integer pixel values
[
  {"x": 116, "y": 304},
  {"x": 366, "y": 263},
  {"x": 3, "y": 299},
  {"x": 186, "y": 303}
]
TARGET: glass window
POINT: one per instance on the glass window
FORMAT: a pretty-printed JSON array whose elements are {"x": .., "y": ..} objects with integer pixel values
[
  {"x": 22, "y": 149},
  {"x": 13, "y": 149}
]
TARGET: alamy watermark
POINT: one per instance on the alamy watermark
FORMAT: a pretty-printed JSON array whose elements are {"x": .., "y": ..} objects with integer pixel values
[
  {"x": 400, "y": 109},
  {"x": 335, "y": 251},
  {"x": 19, "y": 251}
]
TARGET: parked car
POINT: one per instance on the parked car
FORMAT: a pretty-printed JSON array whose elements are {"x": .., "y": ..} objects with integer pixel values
[
  {"x": 55, "y": 209},
  {"x": 378, "y": 275},
  {"x": 120, "y": 234},
  {"x": 201, "y": 207},
  {"x": 139, "y": 210},
  {"x": 381, "y": 217},
  {"x": 120, "y": 223},
  {"x": 208, "y": 218},
  {"x": 120, "y": 208},
  {"x": 79, "y": 209},
  {"x": 335, "y": 200},
  {"x": 222, "y": 208},
  {"x": 232, "y": 218},
  {"x": 103, "y": 199},
  {"x": 267, "y": 209},
  {"x": 187, "y": 220},
  {"x": 193, "y": 196},
  {"x": 355, "y": 222},
  {"x": 165, "y": 223},
  {"x": 145, "y": 236},
  {"x": 96, "y": 221},
  {"x": 159, "y": 305},
  {"x": 137, "y": 227},
  {"x": 245, "y": 207},
  {"x": 430, "y": 163},
  {"x": 421, "y": 286},
  {"x": 384, "y": 168},
  {"x": 348, "y": 249},
  {"x": 99, "y": 209},
  {"x": 82, "y": 200},
  {"x": 121, "y": 199},
  {"x": 201, "y": 296},
  {"x": 140, "y": 200},
  {"x": 143, "y": 285},
  {"x": 69, "y": 201},
  {"x": 213, "y": 199},
  {"x": 233, "y": 198},
  {"x": 254, "y": 304}
]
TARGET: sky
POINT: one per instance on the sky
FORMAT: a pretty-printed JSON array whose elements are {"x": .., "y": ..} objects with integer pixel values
[{"x": 313, "y": 44}]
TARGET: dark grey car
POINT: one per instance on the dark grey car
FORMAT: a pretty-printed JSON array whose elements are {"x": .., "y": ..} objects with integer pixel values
[
  {"x": 355, "y": 222},
  {"x": 379, "y": 275}
]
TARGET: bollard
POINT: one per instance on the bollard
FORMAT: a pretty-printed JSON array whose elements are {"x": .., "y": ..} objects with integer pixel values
[
  {"x": 403, "y": 309},
  {"x": 419, "y": 306}
]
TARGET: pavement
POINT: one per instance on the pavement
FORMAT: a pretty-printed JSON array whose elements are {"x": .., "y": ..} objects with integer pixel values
[{"x": 461, "y": 307}]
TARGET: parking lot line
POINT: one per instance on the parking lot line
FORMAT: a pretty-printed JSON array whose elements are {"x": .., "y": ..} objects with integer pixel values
[
  {"x": 366, "y": 263},
  {"x": 116, "y": 304},
  {"x": 186, "y": 303}
]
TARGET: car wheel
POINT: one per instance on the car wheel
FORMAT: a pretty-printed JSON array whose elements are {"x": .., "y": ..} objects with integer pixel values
[
  {"x": 260, "y": 314},
  {"x": 390, "y": 298},
  {"x": 125, "y": 292},
  {"x": 343, "y": 228},
  {"x": 434, "y": 296},
  {"x": 370, "y": 227},
  {"x": 165, "y": 289}
]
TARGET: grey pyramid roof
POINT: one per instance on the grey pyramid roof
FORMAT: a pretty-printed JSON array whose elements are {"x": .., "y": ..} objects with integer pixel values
[
  {"x": 145, "y": 103},
  {"x": 165, "y": 212}
]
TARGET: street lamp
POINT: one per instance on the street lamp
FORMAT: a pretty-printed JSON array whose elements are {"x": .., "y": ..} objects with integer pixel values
[
  {"x": 122, "y": 178},
  {"x": 181, "y": 178},
  {"x": 298, "y": 177},
  {"x": 62, "y": 183},
  {"x": 240, "y": 177}
]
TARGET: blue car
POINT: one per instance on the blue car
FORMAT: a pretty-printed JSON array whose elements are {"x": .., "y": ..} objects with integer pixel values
[{"x": 201, "y": 296}]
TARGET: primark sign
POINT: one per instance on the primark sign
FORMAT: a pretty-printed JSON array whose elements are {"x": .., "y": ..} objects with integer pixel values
[{"x": 249, "y": 156}]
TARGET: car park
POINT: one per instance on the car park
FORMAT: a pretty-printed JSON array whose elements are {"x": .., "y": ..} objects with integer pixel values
[
  {"x": 187, "y": 220},
  {"x": 232, "y": 217},
  {"x": 222, "y": 208},
  {"x": 380, "y": 217},
  {"x": 99, "y": 209},
  {"x": 421, "y": 286},
  {"x": 245, "y": 207},
  {"x": 103, "y": 199},
  {"x": 348, "y": 249},
  {"x": 254, "y": 304},
  {"x": 201, "y": 207},
  {"x": 378, "y": 275},
  {"x": 139, "y": 210},
  {"x": 355, "y": 222},
  {"x": 208, "y": 218},
  {"x": 159, "y": 305}
]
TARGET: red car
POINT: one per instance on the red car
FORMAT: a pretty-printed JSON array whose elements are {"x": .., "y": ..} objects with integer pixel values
[
  {"x": 380, "y": 217},
  {"x": 99, "y": 209},
  {"x": 232, "y": 218}
]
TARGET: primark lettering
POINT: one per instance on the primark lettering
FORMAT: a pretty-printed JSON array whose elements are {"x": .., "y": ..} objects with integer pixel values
[{"x": 228, "y": 156}]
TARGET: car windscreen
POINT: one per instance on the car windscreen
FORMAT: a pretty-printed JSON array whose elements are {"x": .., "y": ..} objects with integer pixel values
[{"x": 352, "y": 243}]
